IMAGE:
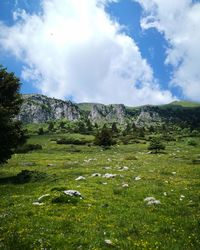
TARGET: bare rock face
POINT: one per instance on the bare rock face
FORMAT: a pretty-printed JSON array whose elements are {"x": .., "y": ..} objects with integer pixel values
[
  {"x": 147, "y": 117},
  {"x": 38, "y": 109},
  {"x": 116, "y": 112}
]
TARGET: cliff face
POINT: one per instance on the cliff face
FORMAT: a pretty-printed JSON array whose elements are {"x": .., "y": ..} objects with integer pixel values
[
  {"x": 110, "y": 113},
  {"x": 148, "y": 117},
  {"x": 39, "y": 109}
]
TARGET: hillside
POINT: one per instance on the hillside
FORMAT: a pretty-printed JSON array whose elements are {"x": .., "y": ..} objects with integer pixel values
[{"x": 40, "y": 109}]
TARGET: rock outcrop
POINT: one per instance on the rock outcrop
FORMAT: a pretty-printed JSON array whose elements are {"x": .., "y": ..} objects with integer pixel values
[
  {"x": 116, "y": 112},
  {"x": 39, "y": 108},
  {"x": 148, "y": 117}
]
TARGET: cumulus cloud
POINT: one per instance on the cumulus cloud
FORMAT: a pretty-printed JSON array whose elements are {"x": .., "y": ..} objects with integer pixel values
[
  {"x": 179, "y": 21},
  {"x": 74, "y": 48}
]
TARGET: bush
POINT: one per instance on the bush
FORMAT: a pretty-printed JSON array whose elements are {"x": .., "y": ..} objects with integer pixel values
[
  {"x": 191, "y": 142},
  {"x": 29, "y": 176},
  {"x": 63, "y": 198},
  {"x": 40, "y": 131},
  {"x": 104, "y": 138},
  {"x": 27, "y": 148},
  {"x": 156, "y": 145},
  {"x": 72, "y": 141}
]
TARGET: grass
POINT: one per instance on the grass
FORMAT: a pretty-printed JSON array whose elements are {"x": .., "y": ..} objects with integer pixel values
[{"x": 107, "y": 211}]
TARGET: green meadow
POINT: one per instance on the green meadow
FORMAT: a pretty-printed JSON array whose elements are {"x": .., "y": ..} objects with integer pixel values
[{"x": 111, "y": 212}]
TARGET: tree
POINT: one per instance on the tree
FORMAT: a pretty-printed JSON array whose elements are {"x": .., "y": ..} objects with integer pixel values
[
  {"x": 114, "y": 128},
  {"x": 40, "y": 131},
  {"x": 11, "y": 132},
  {"x": 156, "y": 145},
  {"x": 51, "y": 126},
  {"x": 104, "y": 137}
]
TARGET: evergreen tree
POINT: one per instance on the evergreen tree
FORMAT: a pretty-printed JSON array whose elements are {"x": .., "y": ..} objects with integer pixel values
[
  {"x": 114, "y": 128},
  {"x": 11, "y": 132},
  {"x": 89, "y": 125},
  {"x": 51, "y": 126},
  {"x": 156, "y": 145},
  {"x": 104, "y": 137}
]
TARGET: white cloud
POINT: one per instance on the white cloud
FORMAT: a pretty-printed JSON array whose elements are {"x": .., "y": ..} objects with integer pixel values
[
  {"x": 179, "y": 21},
  {"x": 73, "y": 48}
]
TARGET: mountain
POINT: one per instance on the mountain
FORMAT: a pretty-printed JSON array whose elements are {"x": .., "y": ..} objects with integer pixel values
[{"x": 40, "y": 109}]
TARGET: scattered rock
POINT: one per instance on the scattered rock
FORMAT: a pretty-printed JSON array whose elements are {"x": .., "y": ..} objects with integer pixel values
[
  {"x": 125, "y": 185},
  {"x": 88, "y": 160},
  {"x": 107, "y": 168},
  {"x": 137, "y": 178},
  {"x": 37, "y": 203},
  {"x": 151, "y": 201},
  {"x": 43, "y": 197},
  {"x": 165, "y": 194},
  {"x": 72, "y": 193},
  {"x": 50, "y": 165},
  {"x": 123, "y": 168},
  {"x": 109, "y": 176},
  {"x": 80, "y": 178},
  {"x": 173, "y": 173},
  {"x": 96, "y": 175},
  {"x": 108, "y": 242}
]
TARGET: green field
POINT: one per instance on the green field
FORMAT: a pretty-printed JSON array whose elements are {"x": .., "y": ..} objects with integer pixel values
[{"x": 111, "y": 215}]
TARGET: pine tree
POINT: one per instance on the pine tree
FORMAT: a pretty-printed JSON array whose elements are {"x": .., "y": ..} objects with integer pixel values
[
  {"x": 156, "y": 145},
  {"x": 11, "y": 132},
  {"x": 104, "y": 137}
]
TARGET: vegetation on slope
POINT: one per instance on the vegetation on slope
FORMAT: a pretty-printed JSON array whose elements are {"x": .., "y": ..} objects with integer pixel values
[{"x": 111, "y": 212}]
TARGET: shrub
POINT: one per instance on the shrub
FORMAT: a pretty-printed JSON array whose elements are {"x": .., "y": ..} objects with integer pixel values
[
  {"x": 29, "y": 176},
  {"x": 40, "y": 131},
  {"x": 27, "y": 148},
  {"x": 156, "y": 145},
  {"x": 191, "y": 142},
  {"x": 104, "y": 138},
  {"x": 72, "y": 141}
]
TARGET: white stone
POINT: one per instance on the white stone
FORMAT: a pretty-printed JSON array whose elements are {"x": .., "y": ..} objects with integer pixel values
[
  {"x": 123, "y": 168},
  {"x": 137, "y": 178},
  {"x": 151, "y": 201},
  {"x": 125, "y": 185},
  {"x": 108, "y": 176},
  {"x": 38, "y": 203},
  {"x": 80, "y": 178},
  {"x": 96, "y": 175},
  {"x": 109, "y": 242},
  {"x": 72, "y": 192},
  {"x": 43, "y": 196}
]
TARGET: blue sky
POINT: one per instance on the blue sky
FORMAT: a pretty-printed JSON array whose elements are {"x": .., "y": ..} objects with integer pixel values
[{"x": 134, "y": 57}]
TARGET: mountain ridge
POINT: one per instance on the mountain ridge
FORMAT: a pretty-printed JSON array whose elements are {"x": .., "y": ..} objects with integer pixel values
[{"x": 38, "y": 108}]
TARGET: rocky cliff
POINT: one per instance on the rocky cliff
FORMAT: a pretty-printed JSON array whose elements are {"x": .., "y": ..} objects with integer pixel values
[
  {"x": 39, "y": 108},
  {"x": 108, "y": 113}
]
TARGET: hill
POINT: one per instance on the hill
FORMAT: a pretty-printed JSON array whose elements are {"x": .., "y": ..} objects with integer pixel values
[{"x": 40, "y": 109}]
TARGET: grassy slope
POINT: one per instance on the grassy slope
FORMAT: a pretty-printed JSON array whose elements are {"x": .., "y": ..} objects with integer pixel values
[
  {"x": 107, "y": 211},
  {"x": 186, "y": 104}
]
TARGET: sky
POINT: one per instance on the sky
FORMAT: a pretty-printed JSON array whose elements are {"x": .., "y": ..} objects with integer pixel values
[{"x": 134, "y": 52}]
